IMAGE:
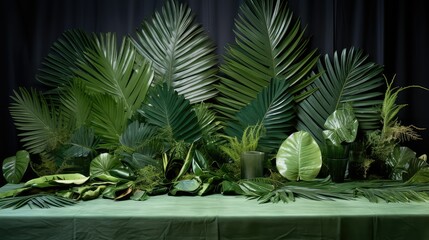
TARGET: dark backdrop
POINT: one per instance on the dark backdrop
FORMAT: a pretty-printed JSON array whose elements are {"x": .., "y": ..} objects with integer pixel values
[{"x": 393, "y": 32}]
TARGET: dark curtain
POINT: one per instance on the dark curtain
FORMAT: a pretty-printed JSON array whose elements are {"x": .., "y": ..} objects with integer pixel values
[{"x": 393, "y": 32}]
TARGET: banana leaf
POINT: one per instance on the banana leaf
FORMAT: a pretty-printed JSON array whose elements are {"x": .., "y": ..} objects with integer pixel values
[
  {"x": 299, "y": 157},
  {"x": 14, "y": 167},
  {"x": 57, "y": 180},
  {"x": 181, "y": 53},
  {"x": 269, "y": 44}
]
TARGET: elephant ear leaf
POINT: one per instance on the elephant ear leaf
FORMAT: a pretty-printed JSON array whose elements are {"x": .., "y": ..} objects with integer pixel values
[
  {"x": 299, "y": 157},
  {"x": 14, "y": 167}
]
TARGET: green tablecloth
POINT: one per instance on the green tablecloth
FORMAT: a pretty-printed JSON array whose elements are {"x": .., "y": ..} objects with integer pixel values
[{"x": 218, "y": 217}]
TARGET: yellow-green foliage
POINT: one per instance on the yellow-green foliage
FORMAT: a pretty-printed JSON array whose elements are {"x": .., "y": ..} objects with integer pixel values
[
  {"x": 249, "y": 142},
  {"x": 383, "y": 142}
]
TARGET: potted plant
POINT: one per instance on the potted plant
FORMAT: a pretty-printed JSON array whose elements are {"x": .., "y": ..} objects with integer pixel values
[{"x": 341, "y": 129}]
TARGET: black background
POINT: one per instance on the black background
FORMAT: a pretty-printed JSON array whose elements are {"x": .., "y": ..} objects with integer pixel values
[{"x": 393, "y": 32}]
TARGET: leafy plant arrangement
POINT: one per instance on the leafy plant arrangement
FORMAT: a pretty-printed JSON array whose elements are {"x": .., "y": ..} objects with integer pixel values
[{"x": 155, "y": 115}]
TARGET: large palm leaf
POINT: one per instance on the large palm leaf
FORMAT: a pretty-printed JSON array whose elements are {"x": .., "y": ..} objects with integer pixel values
[
  {"x": 58, "y": 67},
  {"x": 349, "y": 78},
  {"x": 171, "y": 113},
  {"x": 109, "y": 71},
  {"x": 274, "y": 109},
  {"x": 269, "y": 44},
  {"x": 42, "y": 128},
  {"x": 180, "y": 52}
]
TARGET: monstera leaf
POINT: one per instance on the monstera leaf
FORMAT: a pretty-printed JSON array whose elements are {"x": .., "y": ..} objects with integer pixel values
[
  {"x": 181, "y": 53},
  {"x": 269, "y": 44},
  {"x": 299, "y": 157},
  {"x": 14, "y": 167}
]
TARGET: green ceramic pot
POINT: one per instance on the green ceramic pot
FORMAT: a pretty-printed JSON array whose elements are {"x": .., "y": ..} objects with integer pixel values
[{"x": 252, "y": 164}]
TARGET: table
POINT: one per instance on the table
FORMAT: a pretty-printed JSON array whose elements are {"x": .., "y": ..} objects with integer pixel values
[{"x": 218, "y": 217}]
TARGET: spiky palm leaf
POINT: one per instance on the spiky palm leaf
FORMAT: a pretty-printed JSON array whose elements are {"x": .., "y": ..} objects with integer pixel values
[
  {"x": 57, "y": 71},
  {"x": 109, "y": 71},
  {"x": 269, "y": 44},
  {"x": 76, "y": 104},
  {"x": 40, "y": 200},
  {"x": 42, "y": 128},
  {"x": 82, "y": 143},
  {"x": 349, "y": 78},
  {"x": 181, "y": 53},
  {"x": 109, "y": 119},
  {"x": 136, "y": 135},
  {"x": 274, "y": 109},
  {"x": 172, "y": 114}
]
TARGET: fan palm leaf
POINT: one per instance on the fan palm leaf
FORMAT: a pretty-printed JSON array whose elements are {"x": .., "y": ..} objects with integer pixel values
[
  {"x": 274, "y": 109},
  {"x": 76, "y": 104},
  {"x": 349, "y": 78},
  {"x": 269, "y": 44},
  {"x": 181, "y": 53},
  {"x": 171, "y": 112},
  {"x": 109, "y": 71},
  {"x": 57, "y": 71},
  {"x": 42, "y": 128},
  {"x": 40, "y": 200}
]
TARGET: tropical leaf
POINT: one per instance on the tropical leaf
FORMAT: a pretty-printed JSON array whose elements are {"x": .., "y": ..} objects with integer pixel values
[
  {"x": 273, "y": 108},
  {"x": 83, "y": 143},
  {"x": 41, "y": 200},
  {"x": 14, "y": 167},
  {"x": 299, "y": 157},
  {"x": 109, "y": 71},
  {"x": 171, "y": 112},
  {"x": 269, "y": 44},
  {"x": 41, "y": 127},
  {"x": 102, "y": 164},
  {"x": 76, "y": 105},
  {"x": 394, "y": 192},
  {"x": 56, "y": 179},
  {"x": 349, "y": 78},
  {"x": 341, "y": 126},
  {"x": 136, "y": 135},
  {"x": 57, "y": 71},
  {"x": 399, "y": 160},
  {"x": 181, "y": 53},
  {"x": 109, "y": 120},
  {"x": 189, "y": 186}
]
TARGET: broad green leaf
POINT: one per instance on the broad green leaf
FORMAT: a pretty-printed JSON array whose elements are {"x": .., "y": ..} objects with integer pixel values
[
  {"x": 57, "y": 179},
  {"x": 400, "y": 160},
  {"x": 299, "y": 157},
  {"x": 190, "y": 186},
  {"x": 341, "y": 126},
  {"x": 14, "y": 167},
  {"x": 103, "y": 163}
]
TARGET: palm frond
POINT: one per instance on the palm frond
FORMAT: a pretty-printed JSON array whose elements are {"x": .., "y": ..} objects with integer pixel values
[
  {"x": 171, "y": 112},
  {"x": 269, "y": 44},
  {"x": 273, "y": 108},
  {"x": 395, "y": 192},
  {"x": 109, "y": 71},
  {"x": 42, "y": 128},
  {"x": 76, "y": 104},
  {"x": 109, "y": 119},
  {"x": 40, "y": 200},
  {"x": 181, "y": 53},
  {"x": 57, "y": 71},
  {"x": 136, "y": 135},
  {"x": 82, "y": 143},
  {"x": 349, "y": 78}
]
